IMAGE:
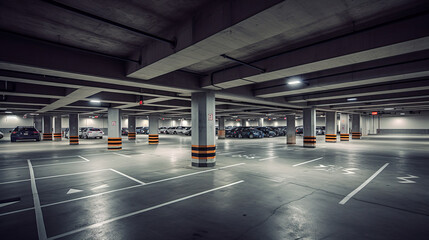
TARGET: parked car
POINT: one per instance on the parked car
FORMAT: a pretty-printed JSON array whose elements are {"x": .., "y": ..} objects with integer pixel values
[
  {"x": 142, "y": 130},
  {"x": 124, "y": 131},
  {"x": 187, "y": 131},
  {"x": 67, "y": 133},
  {"x": 249, "y": 132},
  {"x": 299, "y": 130},
  {"x": 139, "y": 130},
  {"x": 23, "y": 133},
  {"x": 171, "y": 130},
  {"x": 81, "y": 130},
  {"x": 162, "y": 129},
  {"x": 268, "y": 132},
  {"x": 92, "y": 133},
  {"x": 179, "y": 130},
  {"x": 1, "y": 135},
  {"x": 280, "y": 131},
  {"x": 320, "y": 130}
]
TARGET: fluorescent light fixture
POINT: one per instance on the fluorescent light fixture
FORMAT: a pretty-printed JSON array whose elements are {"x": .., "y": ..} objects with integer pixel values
[
  {"x": 8, "y": 112},
  {"x": 351, "y": 99},
  {"x": 387, "y": 109},
  {"x": 402, "y": 114},
  {"x": 34, "y": 114},
  {"x": 294, "y": 81},
  {"x": 95, "y": 101}
]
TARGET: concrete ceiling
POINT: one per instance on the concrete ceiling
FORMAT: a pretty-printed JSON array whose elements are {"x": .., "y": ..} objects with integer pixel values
[{"x": 56, "y": 56}]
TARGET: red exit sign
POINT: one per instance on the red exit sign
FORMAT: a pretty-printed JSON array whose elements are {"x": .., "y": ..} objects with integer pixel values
[{"x": 374, "y": 113}]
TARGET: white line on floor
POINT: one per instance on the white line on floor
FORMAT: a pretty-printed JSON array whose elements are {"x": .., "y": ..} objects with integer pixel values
[
  {"x": 13, "y": 168},
  {"x": 142, "y": 211},
  {"x": 136, "y": 186},
  {"x": 227, "y": 153},
  {"x": 350, "y": 195},
  {"x": 122, "y": 155},
  {"x": 83, "y": 158},
  {"x": 17, "y": 211},
  {"x": 54, "y": 164},
  {"x": 268, "y": 158},
  {"x": 307, "y": 162},
  {"x": 71, "y": 174},
  {"x": 38, "y": 210},
  {"x": 17, "y": 181},
  {"x": 129, "y": 177}
]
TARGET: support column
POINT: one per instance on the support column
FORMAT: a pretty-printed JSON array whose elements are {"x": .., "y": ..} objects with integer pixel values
[
  {"x": 291, "y": 129},
  {"x": 38, "y": 124},
  {"x": 47, "y": 128},
  {"x": 132, "y": 128},
  {"x": 310, "y": 127},
  {"x": 261, "y": 122},
  {"x": 331, "y": 127},
  {"x": 74, "y": 129},
  {"x": 114, "y": 140},
  {"x": 356, "y": 128},
  {"x": 57, "y": 128},
  {"x": 203, "y": 129},
  {"x": 344, "y": 127},
  {"x": 221, "y": 131},
  {"x": 153, "y": 129},
  {"x": 243, "y": 122}
]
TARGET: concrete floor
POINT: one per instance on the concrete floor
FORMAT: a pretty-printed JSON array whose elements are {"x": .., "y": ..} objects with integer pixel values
[{"x": 374, "y": 188}]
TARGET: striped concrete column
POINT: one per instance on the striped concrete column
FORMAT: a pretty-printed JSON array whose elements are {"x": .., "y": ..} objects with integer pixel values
[
  {"x": 331, "y": 127},
  {"x": 153, "y": 129},
  {"x": 132, "y": 128},
  {"x": 74, "y": 129},
  {"x": 344, "y": 127},
  {"x": 47, "y": 128},
  {"x": 221, "y": 131},
  {"x": 356, "y": 126},
  {"x": 291, "y": 129},
  {"x": 114, "y": 140},
  {"x": 203, "y": 129},
  {"x": 57, "y": 128},
  {"x": 310, "y": 127}
]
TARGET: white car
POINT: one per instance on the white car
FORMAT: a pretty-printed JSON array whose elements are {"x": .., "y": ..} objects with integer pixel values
[
  {"x": 171, "y": 130},
  {"x": 92, "y": 133}
]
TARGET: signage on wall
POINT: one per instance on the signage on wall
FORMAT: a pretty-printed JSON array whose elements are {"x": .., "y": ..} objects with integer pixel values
[
  {"x": 113, "y": 123},
  {"x": 210, "y": 116},
  {"x": 374, "y": 113}
]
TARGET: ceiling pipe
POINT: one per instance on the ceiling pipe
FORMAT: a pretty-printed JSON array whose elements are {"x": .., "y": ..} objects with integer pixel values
[{"x": 173, "y": 42}]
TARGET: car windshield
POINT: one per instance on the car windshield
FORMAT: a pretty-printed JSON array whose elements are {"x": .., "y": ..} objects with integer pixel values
[
  {"x": 94, "y": 129},
  {"x": 25, "y": 129}
]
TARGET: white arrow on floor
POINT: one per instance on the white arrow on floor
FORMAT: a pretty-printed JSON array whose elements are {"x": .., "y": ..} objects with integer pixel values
[
  {"x": 405, "y": 179},
  {"x": 101, "y": 186},
  {"x": 7, "y": 203},
  {"x": 72, "y": 190}
]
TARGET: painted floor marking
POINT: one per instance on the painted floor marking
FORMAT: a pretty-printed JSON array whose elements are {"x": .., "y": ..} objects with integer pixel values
[
  {"x": 406, "y": 179},
  {"x": 83, "y": 158},
  {"x": 17, "y": 211},
  {"x": 72, "y": 174},
  {"x": 41, "y": 230},
  {"x": 100, "y": 187},
  {"x": 54, "y": 164},
  {"x": 307, "y": 162},
  {"x": 17, "y": 181},
  {"x": 8, "y": 203},
  {"x": 72, "y": 190},
  {"x": 350, "y": 195},
  {"x": 136, "y": 186},
  {"x": 268, "y": 158},
  {"x": 142, "y": 211},
  {"x": 4, "y": 169},
  {"x": 129, "y": 177},
  {"x": 227, "y": 153},
  {"x": 122, "y": 155}
]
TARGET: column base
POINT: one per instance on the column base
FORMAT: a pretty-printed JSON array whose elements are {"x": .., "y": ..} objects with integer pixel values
[
  {"x": 114, "y": 143},
  {"x": 203, "y": 164},
  {"x": 291, "y": 140},
  {"x": 344, "y": 137},
  {"x": 221, "y": 134},
  {"x": 331, "y": 138},
  {"x": 153, "y": 138},
  {"x": 203, "y": 155},
  {"x": 57, "y": 137},
  {"x": 47, "y": 136},
  {"x": 74, "y": 140},
  {"x": 356, "y": 135},
  {"x": 131, "y": 136},
  {"x": 309, "y": 141}
]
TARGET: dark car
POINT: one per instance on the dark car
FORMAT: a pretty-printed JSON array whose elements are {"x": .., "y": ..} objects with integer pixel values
[
  {"x": 248, "y": 132},
  {"x": 139, "y": 130},
  {"x": 124, "y": 132},
  {"x": 299, "y": 130},
  {"x": 320, "y": 130},
  {"x": 24, "y": 133},
  {"x": 1, "y": 135},
  {"x": 268, "y": 132}
]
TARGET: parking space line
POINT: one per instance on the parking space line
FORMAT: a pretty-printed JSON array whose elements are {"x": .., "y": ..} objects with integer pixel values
[
  {"x": 71, "y": 174},
  {"x": 136, "y": 186},
  {"x": 17, "y": 181},
  {"x": 4, "y": 169},
  {"x": 350, "y": 195},
  {"x": 54, "y": 164},
  {"x": 38, "y": 210},
  {"x": 96, "y": 225},
  {"x": 122, "y": 155},
  {"x": 17, "y": 211},
  {"x": 129, "y": 177},
  {"x": 307, "y": 162},
  {"x": 268, "y": 158},
  {"x": 226, "y": 153},
  {"x": 83, "y": 158}
]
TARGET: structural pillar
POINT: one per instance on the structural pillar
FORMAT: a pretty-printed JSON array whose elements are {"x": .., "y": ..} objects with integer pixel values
[
  {"x": 57, "y": 128},
  {"x": 331, "y": 127},
  {"x": 291, "y": 129},
  {"x": 153, "y": 129},
  {"x": 344, "y": 127},
  {"x": 221, "y": 131},
  {"x": 203, "y": 129},
  {"x": 132, "y": 128},
  {"x": 74, "y": 129},
  {"x": 356, "y": 128},
  {"x": 47, "y": 128},
  {"x": 310, "y": 127},
  {"x": 261, "y": 122},
  {"x": 38, "y": 123},
  {"x": 114, "y": 140},
  {"x": 243, "y": 122}
]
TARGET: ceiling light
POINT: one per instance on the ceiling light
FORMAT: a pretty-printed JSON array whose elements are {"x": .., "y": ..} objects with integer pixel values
[
  {"x": 402, "y": 114},
  {"x": 294, "y": 81},
  {"x": 387, "y": 109},
  {"x": 351, "y": 99},
  {"x": 95, "y": 101},
  {"x": 8, "y": 112}
]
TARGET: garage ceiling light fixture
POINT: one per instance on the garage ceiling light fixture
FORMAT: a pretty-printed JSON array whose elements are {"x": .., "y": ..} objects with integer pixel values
[
  {"x": 387, "y": 109},
  {"x": 7, "y": 112},
  {"x": 95, "y": 101},
  {"x": 351, "y": 99}
]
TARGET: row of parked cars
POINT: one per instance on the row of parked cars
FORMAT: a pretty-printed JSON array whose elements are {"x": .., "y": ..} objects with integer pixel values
[{"x": 261, "y": 132}]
